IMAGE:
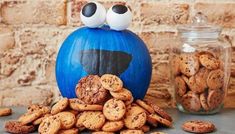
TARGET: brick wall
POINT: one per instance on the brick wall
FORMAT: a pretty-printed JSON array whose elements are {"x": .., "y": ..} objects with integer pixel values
[{"x": 31, "y": 32}]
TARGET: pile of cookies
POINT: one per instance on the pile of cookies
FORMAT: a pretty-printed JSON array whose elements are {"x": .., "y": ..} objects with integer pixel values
[
  {"x": 103, "y": 106},
  {"x": 199, "y": 81}
]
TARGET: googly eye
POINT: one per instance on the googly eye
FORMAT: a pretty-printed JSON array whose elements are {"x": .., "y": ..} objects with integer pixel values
[
  {"x": 93, "y": 14},
  {"x": 119, "y": 17}
]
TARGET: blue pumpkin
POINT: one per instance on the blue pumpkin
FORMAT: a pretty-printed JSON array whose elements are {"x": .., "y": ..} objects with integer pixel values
[{"x": 100, "y": 51}]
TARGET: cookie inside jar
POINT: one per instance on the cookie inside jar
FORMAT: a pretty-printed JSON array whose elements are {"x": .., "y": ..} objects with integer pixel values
[
  {"x": 200, "y": 67},
  {"x": 200, "y": 80}
]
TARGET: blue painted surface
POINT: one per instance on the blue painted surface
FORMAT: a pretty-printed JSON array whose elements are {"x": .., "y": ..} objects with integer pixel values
[{"x": 69, "y": 70}]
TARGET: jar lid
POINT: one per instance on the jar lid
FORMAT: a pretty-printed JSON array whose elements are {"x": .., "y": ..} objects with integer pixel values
[{"x": 200, "y": 28}]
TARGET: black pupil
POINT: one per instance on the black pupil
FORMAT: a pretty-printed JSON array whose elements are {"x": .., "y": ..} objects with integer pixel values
[
  {"x": 89, "y": 9},
  {"x": 120, "y": 9}
]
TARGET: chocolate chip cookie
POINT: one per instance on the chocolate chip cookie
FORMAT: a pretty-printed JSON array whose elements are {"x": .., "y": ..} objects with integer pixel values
[
  {"x": 111, "y": 82},
  {"x": 180, "y": 86},
  {"x": 161, "y": 112},
  {"x": 113, "y": 126},
  {"x": 79, "y": 105},
  {"x": 60, "y": 106},
  {"x": 5, "y": 111},
  {"x": 196, "y": 126},
  {"x": 201, "y": 77},
  {"x": 30, "y": 117},
  {"x": 50, "y": 125},
  {"x": 209, "y": 61},
  {"x": 67, "y": 119},
  {"x": 135, "y": 117},
  {"x": 215, "y": 79},
  {"x": 89, "y": 107},
  {"x": 175, "y": 63},
  {"x": 39, "y": 120},
  {"x": 145, "y": 106},
  {"x": 75, "y": 112},
  {"x": 114, "y": 109},
  {"x": 132, "y": 132},
  {"x": 203, "y": 100},
  {"x": 194, "y": 86},
  {"x": 36, "y": 107},
  {"x": 191, "y": 102},
  {"x": 90, "y": 90},
  {"x": 81, "y": 117},
  {"x": 215, "y": 98},
  {"x": 189, "y": 64},
  {"x": 73, "y": 103},
  {"x": 69, "y": 131},
  {"x": 160, "y": 120},
  {"x": 94, "y": 120},
  {"x": 123, "y": 94},
  {"x": 17, "y": 127}
]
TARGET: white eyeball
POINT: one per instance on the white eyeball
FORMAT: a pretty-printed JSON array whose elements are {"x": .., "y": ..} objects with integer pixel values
[
  {"x": 119, "y": 17},
  {"x": 93, "y": 14}
]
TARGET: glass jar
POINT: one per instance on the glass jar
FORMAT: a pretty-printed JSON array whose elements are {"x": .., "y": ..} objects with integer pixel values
[{"x": 200, "y": 67}]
